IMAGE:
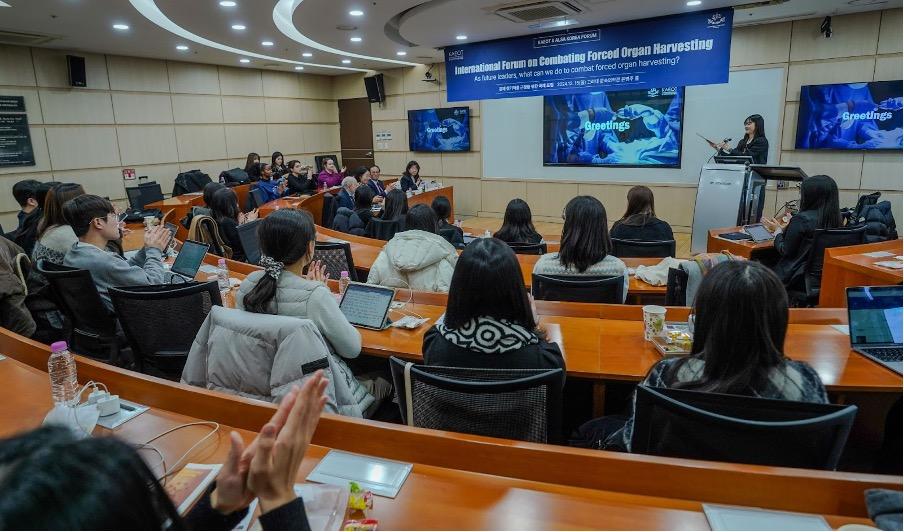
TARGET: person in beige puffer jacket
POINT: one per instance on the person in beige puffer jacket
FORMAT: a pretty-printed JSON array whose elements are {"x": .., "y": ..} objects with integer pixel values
[{"x": 417, "y": 258}]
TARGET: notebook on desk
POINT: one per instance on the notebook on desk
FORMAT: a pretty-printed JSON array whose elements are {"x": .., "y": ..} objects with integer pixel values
[{"x": 874, "y": 318}]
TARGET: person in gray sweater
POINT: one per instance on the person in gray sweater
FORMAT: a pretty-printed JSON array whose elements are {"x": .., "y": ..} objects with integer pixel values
[{"x": 95, "y": 223}]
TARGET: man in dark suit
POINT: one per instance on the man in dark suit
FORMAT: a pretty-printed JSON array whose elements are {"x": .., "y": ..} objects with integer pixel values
[
  {"x": 346, "y": 196},
  {"x": 372, "y": 179}
]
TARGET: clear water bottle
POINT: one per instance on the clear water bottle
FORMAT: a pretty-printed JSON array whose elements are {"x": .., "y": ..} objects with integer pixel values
[
  {"x": 222, "y": 275},
  {"x": 344, "y": 281},
  {"x": 458, "y": 223},
  {"x": 63, "y": 377}
]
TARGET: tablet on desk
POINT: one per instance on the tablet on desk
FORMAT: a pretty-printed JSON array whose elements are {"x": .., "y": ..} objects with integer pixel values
[
  {"x": 758, "y": 232},
  {"x": 366, "y": 305}
]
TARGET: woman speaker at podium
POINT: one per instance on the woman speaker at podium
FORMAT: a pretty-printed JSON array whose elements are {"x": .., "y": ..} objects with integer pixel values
[{"x": 753, "y": 144}]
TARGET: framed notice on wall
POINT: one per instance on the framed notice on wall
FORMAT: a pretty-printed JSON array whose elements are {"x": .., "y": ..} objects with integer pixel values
[{"x": 15, "y": 137}]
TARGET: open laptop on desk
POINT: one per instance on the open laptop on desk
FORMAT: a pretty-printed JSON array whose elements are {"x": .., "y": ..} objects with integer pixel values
[
  {"x": 874, "y": 315},
  {"x": 188, "y": 261}
]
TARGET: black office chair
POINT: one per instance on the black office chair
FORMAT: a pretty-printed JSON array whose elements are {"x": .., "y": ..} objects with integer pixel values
[
  {"x": 589, "y": 289},
  {"x": 734, "y": 428},
  {"x": 526, "y": 248},
  {"x": 676, "y": 288},
  {"x": 330, "y": 206},
  {"x": 256, "y": 197},
  {"x": 519, "y": 404},
  {"x": 452, "y": 236},
  {"x": 250, "y": 241},
  {"x": 822, "y": 240},
  {"x": 337, "y": 256},
  {"x": 161, "y": 322},
  {"x": 93, "y": 327},
  {"x": 643, "y": 248},
  {"x": 383, "y": 229}
]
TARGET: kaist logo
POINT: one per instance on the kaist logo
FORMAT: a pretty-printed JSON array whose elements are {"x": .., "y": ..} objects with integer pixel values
[
  {"x": 715, "y": 21},
  {"x": 652, "y": 93},
  {"x": 456, "y": 55}
]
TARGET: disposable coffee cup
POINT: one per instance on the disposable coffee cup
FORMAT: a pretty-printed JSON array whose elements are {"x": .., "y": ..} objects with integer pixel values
[
  {"x": 150, "y": 221},
  {"x": 653, "y": 321}
]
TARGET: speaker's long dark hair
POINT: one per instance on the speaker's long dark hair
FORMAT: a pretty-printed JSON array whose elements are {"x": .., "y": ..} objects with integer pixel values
[
  {"x": 759, "y": 124},
  {"x": 487, "y": 282},
  {"x": 285, "y": 236},
  {"x": 820, "y": 193},
  {"x": 741, "y": 319},
  {"x": 52, "y": 481},
  {"x": 640, "y": 201},
  {"x": 585, "y": 235}
]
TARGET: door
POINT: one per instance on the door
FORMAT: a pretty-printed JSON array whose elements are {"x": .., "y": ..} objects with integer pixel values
[{"x": 356, "y": 134}]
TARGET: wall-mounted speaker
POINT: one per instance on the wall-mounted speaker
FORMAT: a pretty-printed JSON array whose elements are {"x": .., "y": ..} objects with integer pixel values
[
  {"x": 374, "y": 87},
  {"x": 76, "y": 66}
]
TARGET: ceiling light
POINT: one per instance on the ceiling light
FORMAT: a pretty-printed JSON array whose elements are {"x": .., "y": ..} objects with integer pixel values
[
  {"x": 120, "y": 27},
  {"x": 227, "y": 3},
  {"x": 182, "y": 48},
  {"x": 307, "y": 54},
  {"x": 461, "y": 37},
  {"x": 346, "y": 61},
  {"x": 244, "y": 60},
  {"x": 266, "y": 43},
  {"x": 238, "y": 27},
  {"x": 355, "y": 39},
  {"x": 299, "y": 68},
  {"x": 693, "y": 3},
  {"x": 401, "y": 53},
  {"x": 356, "y": 12}
]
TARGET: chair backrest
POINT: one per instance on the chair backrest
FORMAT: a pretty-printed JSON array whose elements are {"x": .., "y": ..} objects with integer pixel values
[
  {"x": 257, "y": 197},
  {"x": 250, "y": 241},
  {"x": 145, "y": 312},
  {"x": 822, "y": 240},
  {"x": 384, "y": 229},
  {"x": 527, "y": 248},
  {"x": 733, "y": 428},
  {"x": 676, "y": 288},
  {"x": 330, "y": 206},
  {"x": 77, "y": 295},
  {"x": 451, "y": 236},
  {"x": 643, "y": 248},
  {"x": 519, "y": 404},
  {"x": 337, "y": 256},
  {"x": 205, "y": 229},
  {"x": 589, "y": 289}
]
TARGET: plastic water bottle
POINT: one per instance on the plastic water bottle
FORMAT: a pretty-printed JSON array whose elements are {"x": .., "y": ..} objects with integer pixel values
[
  {"x": 63, "y": 377},
  {"x": 344, "y": 281},
  {"x": 458, "y": 223},
  {"x": 487, "y": 234},
  {"x": 222, "y": 275}
]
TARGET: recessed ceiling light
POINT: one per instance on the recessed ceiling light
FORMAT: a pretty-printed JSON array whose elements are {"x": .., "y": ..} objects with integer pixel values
[
  {"x": 401, "y": 53},
  {"x": 227, "y": 3},
  {"x": 355, "y": 39},
  {"x": 244, "y": 60},
  {"x": 307, "y": 54},
  {"x": 120, "y": 27},
  {"x": 266, "y": 43},
  {"x": 182, "y": 48},
  {"x": 356, "y": 12},
  {"x": 346, "y": 61},
  {"x": 692, "y": 3},
  {"x": 461, "y": 37},
  {"x": 238, "y": 27},
  {"x": 299, "y": 68}
]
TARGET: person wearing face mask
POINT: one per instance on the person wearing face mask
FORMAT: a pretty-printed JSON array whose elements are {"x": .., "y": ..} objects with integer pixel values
[{"x": 753, "y": 144}]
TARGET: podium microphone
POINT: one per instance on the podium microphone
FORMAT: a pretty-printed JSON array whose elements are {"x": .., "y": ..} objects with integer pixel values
[{"x": 711, "y": 157}]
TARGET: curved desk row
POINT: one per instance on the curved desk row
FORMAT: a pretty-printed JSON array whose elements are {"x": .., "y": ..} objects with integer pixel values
[{"x": 459, "y": 481}]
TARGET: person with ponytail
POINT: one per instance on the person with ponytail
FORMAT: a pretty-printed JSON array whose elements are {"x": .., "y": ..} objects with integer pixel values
[{"x": 287, "y": 240}]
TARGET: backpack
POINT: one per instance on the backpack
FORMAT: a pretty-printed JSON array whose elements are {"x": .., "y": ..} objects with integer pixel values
[
  {"x": 879, "y": 222},
  {"x": 206, "y": 230},
  {"x": 191, "y": 181},
  {"x": 235, "y": 175}
]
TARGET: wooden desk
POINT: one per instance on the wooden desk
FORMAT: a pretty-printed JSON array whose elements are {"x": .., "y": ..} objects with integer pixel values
[
  {"x": 490, "y": 483},
  {"x": 848, "y": 266},
  {"x": 742, "y": 248}
]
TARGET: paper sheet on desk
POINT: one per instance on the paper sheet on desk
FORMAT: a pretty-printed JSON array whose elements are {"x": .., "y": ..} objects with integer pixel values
[
  {"x": 843, "y": 329},
  {"x": 877, "y": 254},
  {"x": 740, "y": 518},
  {"x": 324, "y": 505}
]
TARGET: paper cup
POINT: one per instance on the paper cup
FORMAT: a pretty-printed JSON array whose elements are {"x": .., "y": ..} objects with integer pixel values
[
  {"x": 150, "y": 221},
  {"x": 653, "y": 321}
]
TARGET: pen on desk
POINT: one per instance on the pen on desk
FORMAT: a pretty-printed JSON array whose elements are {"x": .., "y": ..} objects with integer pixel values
[{"x": 126, "y": 407}]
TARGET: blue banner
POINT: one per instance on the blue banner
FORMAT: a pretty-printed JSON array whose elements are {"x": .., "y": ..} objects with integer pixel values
[{"x": 680, "y": 50}]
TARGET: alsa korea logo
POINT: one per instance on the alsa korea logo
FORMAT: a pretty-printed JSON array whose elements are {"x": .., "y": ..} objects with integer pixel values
[
  {"x": 456, "y": 55},
  {"x": 716, "y": 21},
  {"x": 652, "y": 93}
]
